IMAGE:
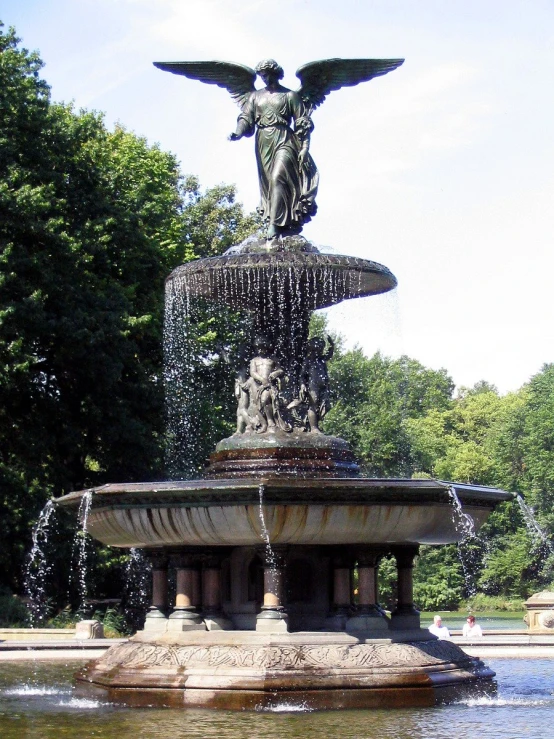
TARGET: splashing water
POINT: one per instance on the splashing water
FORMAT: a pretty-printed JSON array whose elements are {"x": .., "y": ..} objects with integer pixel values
[
  {"x": 81, "y": 544},
  {"x": 270, "y": 556},
  {"x": 464, "y": 525},
  {"x": 463, "y": 522},
  {"x": 285, "y": 707},
  {"x": 38, "y": 568},
  {"x": 272, "y": 297},
  {"x": 538, "y": 535},
  {"x": 269, "y": 553},
  {"x": 137, "y": 587}
]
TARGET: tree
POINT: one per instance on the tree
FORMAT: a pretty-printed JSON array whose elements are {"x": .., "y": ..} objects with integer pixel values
[
  {"x": 538, "y": 446},
  {"x": 438, "y": 578},
  {"x": 91, "y": 222},
  {"x": 372, "y": 400}
]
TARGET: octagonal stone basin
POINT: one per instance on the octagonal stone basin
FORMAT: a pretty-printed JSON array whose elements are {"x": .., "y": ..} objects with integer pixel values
[{"x": 295, "y": 511}]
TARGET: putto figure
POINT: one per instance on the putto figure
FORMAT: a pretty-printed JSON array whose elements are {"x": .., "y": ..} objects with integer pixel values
[
  {"x": 266, "y": 376},
  {"x": 281, "y": 119},
  {"x": 314, "y": 390}
]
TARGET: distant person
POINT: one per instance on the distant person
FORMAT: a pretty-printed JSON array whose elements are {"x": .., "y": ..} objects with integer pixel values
[
  {"x": 471, "y": 628},
  {"x": 438, "y": 630}
]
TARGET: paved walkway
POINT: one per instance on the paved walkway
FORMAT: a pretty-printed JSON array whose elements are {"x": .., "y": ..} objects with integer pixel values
[
  {"x": 491, "y": 645},
  {"x": 63, "y": 649}
]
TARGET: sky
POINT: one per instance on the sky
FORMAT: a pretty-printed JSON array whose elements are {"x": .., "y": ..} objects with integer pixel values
[{"x": 442, "y": 170}]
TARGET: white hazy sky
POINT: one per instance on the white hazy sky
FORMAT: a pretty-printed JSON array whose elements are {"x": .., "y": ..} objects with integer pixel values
[{"x": 443, "y": 170}]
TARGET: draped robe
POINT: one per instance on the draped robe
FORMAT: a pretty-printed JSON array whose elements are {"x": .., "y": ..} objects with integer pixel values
[{"x": 287, "y": 188}]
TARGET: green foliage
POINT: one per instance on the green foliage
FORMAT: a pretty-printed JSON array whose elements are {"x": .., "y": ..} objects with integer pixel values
[
  {"x": 438, "y": 579},
  {"x": 387, "y": 582},
  {"x": 91, "y": 223},
  {"x": 538, "y": 446},
  {"x": 113, "y": 622},
  {"x": 13, "y": 612},
  {"x": 510, "y": 568},
  {"x": 481, "y": 603},
  {"x": 374, "y": 398}
]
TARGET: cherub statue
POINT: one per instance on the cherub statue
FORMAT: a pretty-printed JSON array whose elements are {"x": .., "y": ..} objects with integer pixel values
[
  {"x": 263, "y": 386},
  {"x": 314, "y": 388},
  {"x": 281, "y": 119},
  {"x": 242, "y": 392}
]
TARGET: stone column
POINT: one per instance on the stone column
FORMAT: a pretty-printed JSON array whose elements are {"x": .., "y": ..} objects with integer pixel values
[
  {"x": 185, "y": 616},
  {"x": 156, "y": 618},
  {"x": 273, "y": 616},
  {"x": 368, "y": 616},
  {"x": 211, "y": 595},
  {"x": 342, "y": 597},
  {"x": 405, "y": 616}
]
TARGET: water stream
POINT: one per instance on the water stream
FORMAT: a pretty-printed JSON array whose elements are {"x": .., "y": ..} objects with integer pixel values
[
  {"x": 538, "y": 535},
  {"x": 464, "y": 525},
  {"x": 39, "y": 567},
  {"x": 81, "y": 544},
  {"x": 270, "y": 557}
]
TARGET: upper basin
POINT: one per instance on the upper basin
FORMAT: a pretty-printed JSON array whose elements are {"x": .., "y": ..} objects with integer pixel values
[{"x": 312, "y": 280}]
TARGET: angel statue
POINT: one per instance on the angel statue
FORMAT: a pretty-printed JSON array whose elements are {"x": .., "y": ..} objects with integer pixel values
[{"x": 281, "y": 119}]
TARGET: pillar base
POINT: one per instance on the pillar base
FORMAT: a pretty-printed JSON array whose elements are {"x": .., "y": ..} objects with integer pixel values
[
  {"x": 217, "y": 622},
  {"x": 183, "y": 619},
  {"x": 156, "y": 620},
  {"x": 272, "y": 620},
  {"x": 336, "y": 620},
  {"x": 367, "y": 618},
  {"x": 405, "y": 617}
]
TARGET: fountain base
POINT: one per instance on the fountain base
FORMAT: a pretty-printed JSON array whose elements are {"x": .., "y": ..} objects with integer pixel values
[{"x": 262, "y": 671}]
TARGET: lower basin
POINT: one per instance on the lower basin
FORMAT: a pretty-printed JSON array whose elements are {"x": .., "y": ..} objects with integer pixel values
[{"x": 295, "y": 511}]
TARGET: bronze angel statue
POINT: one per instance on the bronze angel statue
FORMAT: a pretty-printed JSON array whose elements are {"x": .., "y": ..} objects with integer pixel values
[{"x": 281, "y": 119}]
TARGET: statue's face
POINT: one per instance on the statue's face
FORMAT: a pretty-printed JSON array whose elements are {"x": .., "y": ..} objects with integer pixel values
[
  {"x": 261, "y": 345},
  {"x": 268, "y": 76},
  {"x": 316, "y": 345}
]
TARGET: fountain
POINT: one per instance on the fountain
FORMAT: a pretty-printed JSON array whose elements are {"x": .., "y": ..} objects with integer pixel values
[{"x": 263, "y": 547}]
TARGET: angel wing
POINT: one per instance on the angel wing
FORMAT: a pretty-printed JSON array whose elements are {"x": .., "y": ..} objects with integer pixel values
[
  {"x": 235, "y": 78},
  {"x": 318, "y": 79}
]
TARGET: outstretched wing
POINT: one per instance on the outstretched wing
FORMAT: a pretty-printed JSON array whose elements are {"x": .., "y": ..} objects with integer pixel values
[
  {"x": 318, "y": 79},
  {"x": 236, "y": 78}
]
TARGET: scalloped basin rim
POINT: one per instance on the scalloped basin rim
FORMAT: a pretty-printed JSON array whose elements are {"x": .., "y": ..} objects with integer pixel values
[{"x": 293, "y": 489}]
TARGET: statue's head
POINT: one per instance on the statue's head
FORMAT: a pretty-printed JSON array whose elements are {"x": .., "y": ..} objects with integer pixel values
[
  {"x": 262, "y": 344},
  {"x": 268, "y": 68},
  {"x": 316, "y": 346}
]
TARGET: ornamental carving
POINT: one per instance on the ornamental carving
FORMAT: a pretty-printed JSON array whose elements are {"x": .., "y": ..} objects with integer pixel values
[{"x": 285, "y": 657}]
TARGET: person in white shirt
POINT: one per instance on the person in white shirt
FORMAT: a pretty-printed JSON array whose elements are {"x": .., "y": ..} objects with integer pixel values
[
  {"x": 438, "y": 630},
  {"x": 471, "y": 628}
]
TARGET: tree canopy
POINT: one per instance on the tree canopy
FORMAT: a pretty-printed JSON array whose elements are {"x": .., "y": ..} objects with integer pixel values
[{"x": 91, "y": 223}]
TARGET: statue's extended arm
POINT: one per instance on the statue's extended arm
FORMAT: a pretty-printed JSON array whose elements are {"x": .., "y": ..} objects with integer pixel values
[
  {"x": 235, "y": 78},
  {"x": 246, "y": 123}
]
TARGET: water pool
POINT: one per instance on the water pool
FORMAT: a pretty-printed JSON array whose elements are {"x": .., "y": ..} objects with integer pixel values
[{"x": 36, "y": 702}]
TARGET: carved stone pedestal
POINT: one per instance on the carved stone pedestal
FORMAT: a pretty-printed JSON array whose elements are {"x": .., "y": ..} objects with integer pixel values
[
  {"x": 540, "y": 612},
  {"x": 316, "y": 670}
]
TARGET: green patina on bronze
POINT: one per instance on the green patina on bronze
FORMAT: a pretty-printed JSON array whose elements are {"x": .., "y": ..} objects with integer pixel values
[{"x": 281, "y": 121}]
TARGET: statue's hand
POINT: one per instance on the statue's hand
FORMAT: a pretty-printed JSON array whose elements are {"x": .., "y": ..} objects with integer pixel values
[{"x": 233, "y": 137}]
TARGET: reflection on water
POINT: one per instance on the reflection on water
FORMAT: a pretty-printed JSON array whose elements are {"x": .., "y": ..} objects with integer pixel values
[{"x": 36, "y": 702}]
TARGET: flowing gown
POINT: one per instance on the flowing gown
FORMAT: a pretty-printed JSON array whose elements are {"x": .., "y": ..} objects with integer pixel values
[{"x": 287, "y": 189}]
